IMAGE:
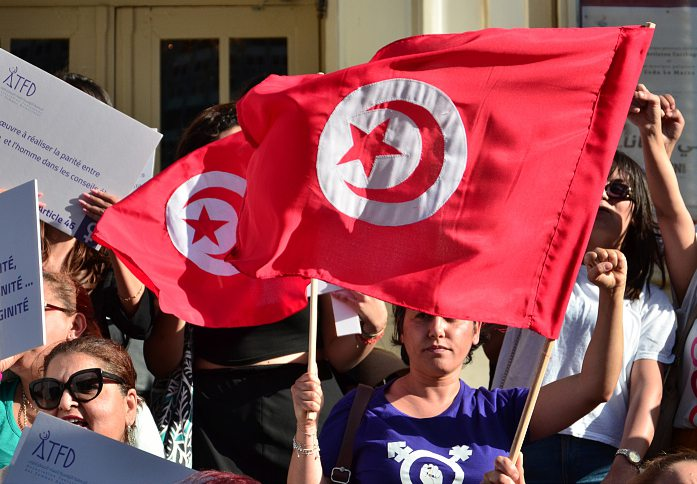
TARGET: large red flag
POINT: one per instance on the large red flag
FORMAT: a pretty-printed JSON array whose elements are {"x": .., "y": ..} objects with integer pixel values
[
  {"x": 455, "y": 174},
  {"x": 175, "y": 231}
]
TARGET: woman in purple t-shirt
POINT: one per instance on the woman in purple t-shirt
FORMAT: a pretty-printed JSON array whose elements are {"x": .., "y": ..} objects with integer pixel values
[{"x": 429, "y": 426}]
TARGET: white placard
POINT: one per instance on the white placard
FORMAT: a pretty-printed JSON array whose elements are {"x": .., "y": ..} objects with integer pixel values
[
  {"x": 345, "y": 318},
  {"x": 55, "y": 451},
  {"x": 69, "y": 141},
  {"x": 147, "y": 173},
  {"x": 670, "y": 67},
  {"x": 21, "y": 295}
]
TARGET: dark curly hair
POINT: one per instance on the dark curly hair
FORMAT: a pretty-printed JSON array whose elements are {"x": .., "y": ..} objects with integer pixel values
[{"x": 399, "y": 312}]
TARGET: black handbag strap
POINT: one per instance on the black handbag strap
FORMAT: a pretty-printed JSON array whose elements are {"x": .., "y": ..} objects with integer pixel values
[{"x": 341, "y": 473}]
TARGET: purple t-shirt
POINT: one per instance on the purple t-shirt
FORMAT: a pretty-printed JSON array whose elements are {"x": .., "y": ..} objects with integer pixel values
[{"x": 457, "y": 446}]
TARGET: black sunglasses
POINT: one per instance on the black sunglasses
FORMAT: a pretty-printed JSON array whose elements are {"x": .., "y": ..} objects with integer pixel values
[
  {"x": 618, "y": 190},
  {"x": 83, "y": 386}
]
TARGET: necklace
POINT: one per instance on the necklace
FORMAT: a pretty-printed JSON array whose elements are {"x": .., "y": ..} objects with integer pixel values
[{"x": 22, "y": 414}]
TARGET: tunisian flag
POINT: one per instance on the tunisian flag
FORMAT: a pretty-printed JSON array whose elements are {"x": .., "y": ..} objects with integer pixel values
[
  {"x": 455, "y": 174},
  {"x": 174, "y": 233}
]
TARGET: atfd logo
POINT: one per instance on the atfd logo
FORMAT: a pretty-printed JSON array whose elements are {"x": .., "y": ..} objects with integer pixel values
[
  {"x": 430, "y": 471},
  {"x": 19, "y": 83},
  {"x": 392, "y": 153},
  {"x": 53, "y": 452}
]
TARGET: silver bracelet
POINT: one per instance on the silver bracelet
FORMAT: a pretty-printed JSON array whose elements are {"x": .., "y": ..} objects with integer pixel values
[{"x": 299, "y": 449}]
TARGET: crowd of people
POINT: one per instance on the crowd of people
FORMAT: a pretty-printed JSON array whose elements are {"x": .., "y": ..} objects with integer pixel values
[{"x": 617, "y": 403}]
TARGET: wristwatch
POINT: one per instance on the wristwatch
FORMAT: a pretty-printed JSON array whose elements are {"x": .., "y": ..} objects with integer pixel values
[{"x": 631, "y": 455}]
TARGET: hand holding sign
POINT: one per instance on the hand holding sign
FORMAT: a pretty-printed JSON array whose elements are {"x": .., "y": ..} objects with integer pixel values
[
  {"x": 95, "y": 202},
  {"x": 69, "y": 141}
]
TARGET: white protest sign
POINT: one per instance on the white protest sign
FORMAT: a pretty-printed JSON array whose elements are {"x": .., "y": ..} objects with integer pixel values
[
  {"x": 53, "y": 450},
  {"x": 345, "y": 318},
  {"x": 147, "y": 173},
  {"x": 21, "y": 295},
  {"x": 69, "y": 141}
]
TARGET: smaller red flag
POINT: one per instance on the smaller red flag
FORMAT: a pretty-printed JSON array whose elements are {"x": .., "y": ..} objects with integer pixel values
[{"x": 175, "y": 231}]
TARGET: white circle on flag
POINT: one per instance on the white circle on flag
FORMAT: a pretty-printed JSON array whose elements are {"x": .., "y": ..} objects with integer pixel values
[
  {"x": 191, "y": 201},
  {"x": 403, "y": 143}
]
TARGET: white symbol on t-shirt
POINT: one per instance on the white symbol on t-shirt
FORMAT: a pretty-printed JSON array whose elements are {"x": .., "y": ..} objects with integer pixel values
[{"x": 430, "y": 473}]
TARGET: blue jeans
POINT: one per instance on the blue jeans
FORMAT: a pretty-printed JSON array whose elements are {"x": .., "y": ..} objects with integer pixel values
[{"x": 562, "y": 459}]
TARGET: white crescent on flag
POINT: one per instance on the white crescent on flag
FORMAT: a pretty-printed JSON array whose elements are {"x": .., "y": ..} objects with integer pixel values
[
  {"x": 376, "y": 148},
  {"x": 202, "y": 221}
]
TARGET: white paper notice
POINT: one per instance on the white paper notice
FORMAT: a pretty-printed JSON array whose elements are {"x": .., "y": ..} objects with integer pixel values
[
  {"x": 345, "y": 318},
  {"x": 69, "y": 141},
  {"x": 21, "y": 295},
  {"x": 60, "y": 452}
]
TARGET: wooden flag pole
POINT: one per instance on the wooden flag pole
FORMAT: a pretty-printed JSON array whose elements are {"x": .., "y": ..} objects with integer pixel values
[
  {"x": 312, "y": 343},
  {"x": 531, "y": 401}
]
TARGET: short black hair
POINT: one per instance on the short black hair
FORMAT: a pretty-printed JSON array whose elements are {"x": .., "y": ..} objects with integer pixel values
[
  {"x": 86, "y": 85},
  {"x": 399, "y": 312}
]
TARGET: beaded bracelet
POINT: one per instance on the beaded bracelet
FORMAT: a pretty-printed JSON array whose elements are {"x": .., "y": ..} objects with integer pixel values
[{"x": 299, "y": 449}]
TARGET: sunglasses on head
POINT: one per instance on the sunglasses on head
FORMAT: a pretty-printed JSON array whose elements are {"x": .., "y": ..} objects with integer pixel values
[
  {"x": 618, "y": 190},
  {"x": 83, "y": 386}
]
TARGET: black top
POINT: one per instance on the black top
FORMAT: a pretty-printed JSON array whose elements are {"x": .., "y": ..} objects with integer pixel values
[
  {"x": 128, "y": 331},
  {"x": 246, "y": 346},
  {"x": 111, "y": 316}
]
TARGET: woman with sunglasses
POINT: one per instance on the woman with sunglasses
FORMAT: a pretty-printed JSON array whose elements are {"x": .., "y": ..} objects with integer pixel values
[
  {"x": 611, "y": 440},
  {"x": 67, "y": 316},
  {"x": 90, "y": 382}
]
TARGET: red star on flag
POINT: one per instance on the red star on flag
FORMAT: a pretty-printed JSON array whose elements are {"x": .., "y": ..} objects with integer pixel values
[
  {"x": 205, "y": 227},
  {"x": 367, "y": 146}
]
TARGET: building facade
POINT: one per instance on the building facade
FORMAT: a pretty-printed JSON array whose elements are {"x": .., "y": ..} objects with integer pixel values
[{"x": 163, "y": 61}]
